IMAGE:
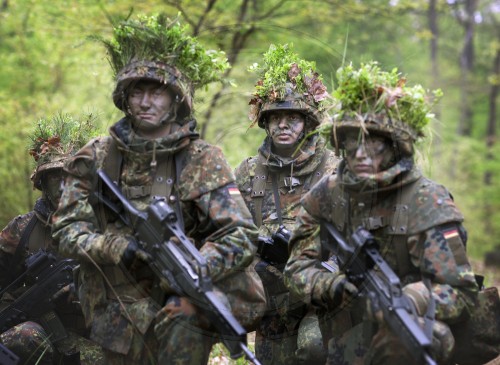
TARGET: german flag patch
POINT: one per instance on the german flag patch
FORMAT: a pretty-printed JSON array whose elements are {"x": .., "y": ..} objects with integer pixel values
[
  {"x": 233, "y": 190},
  {"x": 450, "y": 233},
  {"x": 452, "y": 236}
]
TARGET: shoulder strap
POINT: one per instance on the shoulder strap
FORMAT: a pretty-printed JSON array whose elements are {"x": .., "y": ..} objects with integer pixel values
[
  {"x": 169, "y": 173},
  {"x": 11, "y": 273},
  {"x": 112, "y": 166},
  {"x": 259, "y": 182},
  {"x": 277, "y": 203},
  {"x": 398, "y": 228},
  {"x": 180, "y": 163},
  {"x": 113, "y": 161}
]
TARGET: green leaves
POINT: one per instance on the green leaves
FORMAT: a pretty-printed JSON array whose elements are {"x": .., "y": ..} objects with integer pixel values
[
  {"x": 282, "y": 65},
  {"x": 158, "y": 38},
  {"x": 60, "y": 134},
  {"x": 369, "y": 89}
]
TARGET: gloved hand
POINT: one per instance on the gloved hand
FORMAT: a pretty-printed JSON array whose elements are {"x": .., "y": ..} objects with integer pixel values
[
  {"x": 341, "y": 293},
  {"x": 417, "y": 295},
  {"x": 133, "y": 253},
  {"x": 66, "y": 295}
]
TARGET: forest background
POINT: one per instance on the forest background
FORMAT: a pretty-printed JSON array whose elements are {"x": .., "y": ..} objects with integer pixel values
[{"x": 49, "y": 65}]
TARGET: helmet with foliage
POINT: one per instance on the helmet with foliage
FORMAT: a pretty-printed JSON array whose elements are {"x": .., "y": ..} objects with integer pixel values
[
  {"x": 287, "y": 82},
  {"x": 160, "y": 49},
  {"x": 55, "y": 139},
  {"x": 380, "y": 102}
]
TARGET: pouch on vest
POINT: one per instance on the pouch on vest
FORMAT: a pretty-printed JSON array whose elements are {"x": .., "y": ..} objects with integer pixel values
[{"x": 477, "y": 340}]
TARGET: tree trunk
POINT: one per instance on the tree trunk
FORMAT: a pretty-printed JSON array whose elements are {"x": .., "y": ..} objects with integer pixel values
[
  {"x": 432, "y": 16},
  {"x": 466, "y": 66},
  {"x": 489, "y": 209}
]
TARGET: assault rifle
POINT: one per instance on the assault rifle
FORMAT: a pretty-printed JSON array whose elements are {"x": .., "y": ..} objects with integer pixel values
[
  {"x": 7, "y": 357},
  {"x": 176, "y": 259},
  {"x": 46, "y": 276},
  {"x": 383, "y": 288}
]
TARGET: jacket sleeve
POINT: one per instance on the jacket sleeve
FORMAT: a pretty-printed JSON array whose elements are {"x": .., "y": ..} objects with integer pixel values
[
  {"x": 220, "y": 219},
  {"x": 303, "y": 274},
  {"x": 229, "y": 230},
  {"x": 74, "y": 224},
  {"x": 439, "y": 253}
]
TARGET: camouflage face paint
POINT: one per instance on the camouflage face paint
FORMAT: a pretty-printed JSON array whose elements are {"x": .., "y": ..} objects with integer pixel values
[
  {"x": 365, "y": 154},
  {"x": 286, "y": 129},
  {"x": 149, "y": 103}
]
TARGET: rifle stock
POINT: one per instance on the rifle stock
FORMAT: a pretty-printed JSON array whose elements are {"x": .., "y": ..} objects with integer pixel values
[
  {"x": 383, "y": 288},
  {"x": 176, "y": 259}
]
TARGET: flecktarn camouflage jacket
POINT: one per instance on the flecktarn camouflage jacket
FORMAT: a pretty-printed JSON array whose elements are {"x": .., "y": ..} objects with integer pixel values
[
  {"x": 214, "y": 215},
  {"x": 294, "y": 178},
  {"x": 429, "y": 227}
]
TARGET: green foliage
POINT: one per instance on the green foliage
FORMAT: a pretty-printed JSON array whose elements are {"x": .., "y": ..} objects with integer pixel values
[
  {"x": 48, "y": 66},
  {"x": 60, "y": 134},
  {"x": 275, "y": 72},
  {"x": 285, "y": 75},
  {"x": 158, "y": 38},
  {"x": 369, "y": 89}
]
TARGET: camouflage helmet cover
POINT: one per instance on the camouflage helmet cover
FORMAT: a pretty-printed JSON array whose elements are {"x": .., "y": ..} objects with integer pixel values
[
  {"x": 160, "y": 49},
  {"x": 55, "y": 139},
  {"x": 288, "y": 83},
  {"x": 157, "y": 71},
  {"x": 379, "y": 102}
]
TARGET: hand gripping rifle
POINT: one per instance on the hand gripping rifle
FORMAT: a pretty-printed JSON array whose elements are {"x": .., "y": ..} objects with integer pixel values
[
  {"x": 179, "y": 262},
  {"x": 274, "y": 249},
  {"x": 383, "y": 288},
  {"x": 49, "y": 276}
]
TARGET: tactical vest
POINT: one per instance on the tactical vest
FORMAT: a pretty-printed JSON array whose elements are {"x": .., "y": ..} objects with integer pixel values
[
  {"x": 35, "y": 236},
  {"x": 393, "y": 224},
  {"x": 263, "y": 180},
  {"x": 167, "y": 172}
]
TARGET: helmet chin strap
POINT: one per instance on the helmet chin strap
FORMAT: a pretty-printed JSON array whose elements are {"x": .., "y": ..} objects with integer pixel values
[
  {"x": 301, "y": 136},
  {"x": 170, "y": 115}
]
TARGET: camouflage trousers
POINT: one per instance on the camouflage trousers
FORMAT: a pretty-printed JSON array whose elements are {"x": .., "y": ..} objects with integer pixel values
[
  {"x": 179, "y": 335},
  {"x": 30, "y": 342},
  {"x": 368, "y": 344},
  {"x": 288, "y": 333}
]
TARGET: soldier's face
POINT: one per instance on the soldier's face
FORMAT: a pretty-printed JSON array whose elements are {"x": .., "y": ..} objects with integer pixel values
[
  {"x": 52, "y": 184},
  {"x": 285, "y": 128},
  {"x": 365, "y": 154},
  {"x": 149, "y": 103}
]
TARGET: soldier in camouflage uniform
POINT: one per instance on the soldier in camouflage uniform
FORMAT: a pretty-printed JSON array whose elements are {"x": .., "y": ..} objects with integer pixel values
[
  {"x": 154, "y": 150},
  {"x": 52, "y": 142},
  {"x": 419, "y": 228},
  {"x": 289, "y": 162}
]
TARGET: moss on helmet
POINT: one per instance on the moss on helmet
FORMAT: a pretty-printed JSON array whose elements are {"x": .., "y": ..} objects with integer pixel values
[
  {"x": 55, "y": 139},
  {"x": 284, "y": 76},
  {"x": 369, "y": 91},
  {"x": 157, "y": 38}
]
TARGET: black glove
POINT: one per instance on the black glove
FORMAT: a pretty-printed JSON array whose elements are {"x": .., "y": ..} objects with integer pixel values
[
  {"x": 132, "y": 253},
  {"x": 341, "y": 293}
]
